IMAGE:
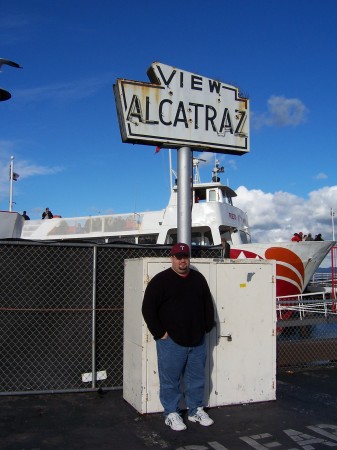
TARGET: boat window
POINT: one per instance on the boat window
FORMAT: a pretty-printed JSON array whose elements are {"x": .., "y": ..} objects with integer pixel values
[
  {"x": 96, "y": 224},
  {"x": 202, "y": 237},
  {"x": 229, "y": 200},
  {"x": 123, "y": 222},
  {"x": 199, "y": 195},
  {"x": 245, "y": 237},
  {"x": 226, "y": 197},
  {"x": 196, "y": 239},
  {"x": 148, "y": 239},
  {"x": 208, "y": 238},
  {"x": 171, "y": 238},
  {"x": 225, "y": 232},
  {"x": 212, "y": 195}
]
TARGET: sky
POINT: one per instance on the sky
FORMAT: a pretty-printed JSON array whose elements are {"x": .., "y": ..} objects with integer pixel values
[{"x": 61, "y": 123}]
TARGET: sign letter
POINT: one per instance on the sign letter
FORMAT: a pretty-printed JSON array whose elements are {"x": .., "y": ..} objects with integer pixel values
[
  {"x": 226, "y": 124},
  {"x": 161, "y": 115},
  {"x": 181, "y": 109},
  {"x": 135, "y": 109}
]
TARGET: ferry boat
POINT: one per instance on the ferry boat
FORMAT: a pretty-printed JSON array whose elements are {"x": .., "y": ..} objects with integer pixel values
[{"x": 215, "y": 220}]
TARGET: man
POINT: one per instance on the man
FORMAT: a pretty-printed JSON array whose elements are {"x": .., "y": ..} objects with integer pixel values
[
  {"x": 47, "y": 214},
  {"x": 178, "y": 310}
]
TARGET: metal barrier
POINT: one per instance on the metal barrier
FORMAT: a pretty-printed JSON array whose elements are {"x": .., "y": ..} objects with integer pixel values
[
  {"x": 61, "y": 314},
  {"x": 307, "y": 331},
  {"x": 327, "y": 280},
  {"x": 61, "y": 317}
]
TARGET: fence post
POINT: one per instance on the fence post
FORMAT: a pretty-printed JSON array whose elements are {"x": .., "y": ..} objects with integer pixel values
[{"x": 93, "y": 342}]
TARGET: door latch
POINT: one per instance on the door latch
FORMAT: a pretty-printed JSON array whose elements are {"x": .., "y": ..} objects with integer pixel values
[{"x": 228, "y": 336}]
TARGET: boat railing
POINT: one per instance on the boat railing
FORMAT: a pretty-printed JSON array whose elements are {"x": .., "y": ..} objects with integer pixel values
[
  {"x": 326, "y": 280},
  {"x": 305, "y": 304},
  {"x": 321, "y": 279}
]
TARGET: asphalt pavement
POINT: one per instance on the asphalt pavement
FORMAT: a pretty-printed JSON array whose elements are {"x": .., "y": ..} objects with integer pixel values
[{"x": 304, "y": 416}]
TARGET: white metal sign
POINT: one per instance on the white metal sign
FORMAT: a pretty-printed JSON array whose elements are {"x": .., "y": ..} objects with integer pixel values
[{"x": 179, "y": 109}]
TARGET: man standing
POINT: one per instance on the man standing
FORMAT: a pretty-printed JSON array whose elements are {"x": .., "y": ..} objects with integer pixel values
[
  {"x": 47, "y": 214},
  {"x": 178, "y": 310}
]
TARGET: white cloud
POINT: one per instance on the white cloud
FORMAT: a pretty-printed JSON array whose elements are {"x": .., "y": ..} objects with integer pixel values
[
  {"x": 282, "y": 112},
  {"x": 320, "y": 176},
  {"x": 277, "y": 216},
  {"x": 27, "y": 169},
  {"x": 24, "y": 168}
]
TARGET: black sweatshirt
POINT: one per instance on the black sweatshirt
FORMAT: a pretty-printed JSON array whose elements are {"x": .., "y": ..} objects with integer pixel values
[{"x": 182, "y": 306}]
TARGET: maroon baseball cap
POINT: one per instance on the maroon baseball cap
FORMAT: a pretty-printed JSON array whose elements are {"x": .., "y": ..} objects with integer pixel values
[{"x": 180, "y": 249}]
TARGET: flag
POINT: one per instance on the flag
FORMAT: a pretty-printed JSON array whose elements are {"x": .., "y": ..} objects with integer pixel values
[
  {"x": 15, "y": 175},
  {"x": 157, "y": 149}
]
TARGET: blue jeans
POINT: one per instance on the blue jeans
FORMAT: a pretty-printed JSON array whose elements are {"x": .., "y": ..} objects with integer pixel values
[{"x": 176, "y": 362}]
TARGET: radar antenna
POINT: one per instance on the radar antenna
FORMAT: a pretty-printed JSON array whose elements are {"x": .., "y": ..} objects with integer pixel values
[{"x": 216, "y": 170}]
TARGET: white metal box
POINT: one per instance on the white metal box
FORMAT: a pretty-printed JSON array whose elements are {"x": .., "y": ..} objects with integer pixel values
[{"x": 241, "y": 366}]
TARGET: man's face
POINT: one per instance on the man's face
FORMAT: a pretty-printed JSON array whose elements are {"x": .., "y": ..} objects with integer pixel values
[{"x": 180, "y": 264}]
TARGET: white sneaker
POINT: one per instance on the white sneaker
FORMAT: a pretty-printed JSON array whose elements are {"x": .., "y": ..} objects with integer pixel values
[
  {"x": 174, "y": 421},
  {"x": 202, "y": 417}
]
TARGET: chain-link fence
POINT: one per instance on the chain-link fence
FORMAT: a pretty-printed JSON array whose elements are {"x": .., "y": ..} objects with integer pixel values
[
  {"x": 61, "y": 317},
  {"x": 61, "y": 313},
  {"x": 307, "y": 331}
]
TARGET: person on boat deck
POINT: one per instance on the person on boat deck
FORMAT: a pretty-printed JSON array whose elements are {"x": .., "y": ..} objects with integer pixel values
[
  {"x": 296, "y": 237},
  {"x": 318, "y": 237},
  {"x": 47, "y": 214},
  {"x": 309, "y": 237},
  {"x": 178, "y": 310},
  {"x": 24, "y": 215},
  {"x": 226, "y": 248}
]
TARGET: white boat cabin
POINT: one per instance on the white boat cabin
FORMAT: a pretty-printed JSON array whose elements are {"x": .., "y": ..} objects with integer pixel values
[{"x": 214, "y": 217}]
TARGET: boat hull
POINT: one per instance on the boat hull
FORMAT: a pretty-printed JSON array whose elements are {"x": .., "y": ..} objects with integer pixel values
[
  {"x": 11, "y": 225},
  {"x": 296, "y": 262}
]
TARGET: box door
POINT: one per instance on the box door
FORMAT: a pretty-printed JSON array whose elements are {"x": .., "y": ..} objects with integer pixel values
[{"x": 244, "y": 354}]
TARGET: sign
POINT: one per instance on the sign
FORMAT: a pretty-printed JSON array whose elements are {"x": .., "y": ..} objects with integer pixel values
[{"x": 182, "y": 109}]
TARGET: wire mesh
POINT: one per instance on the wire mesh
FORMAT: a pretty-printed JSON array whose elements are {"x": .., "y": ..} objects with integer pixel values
[
  {"x": 307, "y": 332},
  {"x": 45, "y": 316},
  {"x": 62, "y": 312},
  {"x": 50, "y": 332}
]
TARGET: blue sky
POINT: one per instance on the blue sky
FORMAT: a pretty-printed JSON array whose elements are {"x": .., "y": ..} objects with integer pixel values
[{"x": 61, "y": 124}]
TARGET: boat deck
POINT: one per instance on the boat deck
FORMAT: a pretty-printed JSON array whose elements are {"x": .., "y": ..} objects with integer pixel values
[{"x": 304, "y": 416}]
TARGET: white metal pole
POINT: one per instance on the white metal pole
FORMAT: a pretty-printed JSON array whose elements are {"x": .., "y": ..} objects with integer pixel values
[
  {"x": 11, "y": 171},
  {"x": 94, "y": 320},
  {"x": 170, "y": 161},
  {"x": 333, "y": 224},
  {"x": 184, "y": 214}
]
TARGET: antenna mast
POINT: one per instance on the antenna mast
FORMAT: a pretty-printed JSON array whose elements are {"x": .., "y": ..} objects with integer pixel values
[
  {"x": 217, "y": 169},
  {"x": 196, "y": 174}
]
